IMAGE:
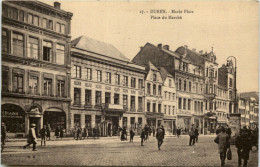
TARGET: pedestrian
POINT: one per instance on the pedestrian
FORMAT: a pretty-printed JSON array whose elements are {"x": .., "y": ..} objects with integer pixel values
[
  {"x": 222, "y": 140},
  {"x": 150, "y": 130},
  {"x": 192, "y": 135},
  {"x": 160, "y": 136},
  {"x": 196, "y": 132},
  {"x": 84, "y": 132},
  {"x": 94, "y": 132},
  {"x": 228, "y": 131},
  {"x": 153, "y": 131},
  {"x": 244, "y": 145},
  {"x": 218, "y": 130},
  {"x": 146, "y": 131},
  {"x": 43, "y": 133},
  {"x": 48, "y": 130},
  {"x": 255, "y": 137},
  {"x": 61, "y": 132},
  {"x": 3, "y": 136},
  {"x": 79, "y": 133},
  {"x": 75, "y": 132},
  {"x": 132, "y": 134},
  {"x": 178, "y": 132},
  {"x": 142, "y": 137},
  {"x": 32, "y": 139},
  {"x": 57, "y": 132}
]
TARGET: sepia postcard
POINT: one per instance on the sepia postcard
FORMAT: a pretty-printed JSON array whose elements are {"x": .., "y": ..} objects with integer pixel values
[{"x": 129, "y": 83}]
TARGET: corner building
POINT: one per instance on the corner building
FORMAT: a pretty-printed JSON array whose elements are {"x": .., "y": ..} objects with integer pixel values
[
  {"x": 107, "y": 89},
  {"x": 35, "y": 66}
]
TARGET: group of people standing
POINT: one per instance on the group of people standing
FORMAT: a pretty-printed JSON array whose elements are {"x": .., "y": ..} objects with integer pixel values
[
  {"x": 194, "y": 135},
  {"x": 59, "y": 132},
  {"x": 160, "y": 132}
]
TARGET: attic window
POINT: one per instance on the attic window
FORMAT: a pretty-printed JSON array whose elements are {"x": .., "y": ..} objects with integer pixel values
[{"x": 154, "y": 77}]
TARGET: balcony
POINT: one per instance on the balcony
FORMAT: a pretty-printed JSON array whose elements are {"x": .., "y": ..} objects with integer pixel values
[{"x": 212, "y": 79}]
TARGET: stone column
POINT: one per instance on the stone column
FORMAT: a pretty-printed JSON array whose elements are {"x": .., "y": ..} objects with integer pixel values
[{"x": 27, "y": 124}]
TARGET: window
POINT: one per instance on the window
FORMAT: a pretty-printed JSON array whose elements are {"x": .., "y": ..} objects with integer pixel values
[
  {"x": 88, "y": 121},
  {"x": 21, "y": 16},
  {"x": 61, "y": 88},
  {"x": 116, "y": 98},
  {"x": 58, "y": 27},
  {"x": 230, "y": 94},
  {"x": 18, "y": 83},
  {"x": 99, "y": 76},
  {"x": 44, "y": 23},
  {"x": 140, "y": 103},
  {"x": 78, "y": 71},
  {"x": 108, "y": 77},
  {"x": 33, "y": 84},
  {"x": 179, "y": 84},
  {"x": 184, "y": 86},
  {"x": 159, "y": 108},
  {"x": 165, "y": 109},
  {"x": 107, "y": 98},
  {"x": 36, "y": 20},
  {"x": 132, "y": 122},
  {"x": 154, "y": 89},
  {"x": 189, "y": 86},
  {"x": 47, "y": 51},
  {"x": 5, "y": 79},
  {"x": 148, "y": 106},
  {"x": 5, "y": 41},
  {"x": 89, "y": 74},
  {"x": 201, "y": 88},
  {"x": 140, "y": 120},
  {"x": 47, "y": 86},
  {"x": 179, "y": 103},
  {"x": 230, "y": 82},
  {"x": 169, "y": 95},
  {"x": 170, "y": 83},
  {"x": 125, "y": 103},
  {"x": 165, "y": 94},
  {"x": 154, "y": 107},
  {"x": 140, "y": 83},
  {"x": 33, "y": 48},
  {"x": 195, "y": 106},
  {"x": 77, "y": 95},
  {"x": 169, "y": 110},
  {"x": 132, "y": 82},
  {"x": 196, "y": 87},
  {"x": 4, "y": 10},
  {"x": 160, "y": 90},
  {"x": 189, "y": 104},
  {"x": 125, "y": 81},
  {"x": 184, "y": 104},
  {"x": 125, "y": 122},
  {"x": 173, "y": 110},
  {"x": 117, "y": 79},
  {"x": 173, "y": 96},
  {"x": 148, "y": 88},
  {"x": 77, "y": 120},
  {"x": 60, "y": 54},
  {"x": 18, "y": 44},
  {"x": 154, "y": 77},
  {"x": 63, "y": 29},
  {"x": 50, "y": 25},
  {"x": 132, "y": 102},
  {"x": 87, "y": 97},
  {"x": 98, "y": 97},
  {"x": 30, "y": 18}
]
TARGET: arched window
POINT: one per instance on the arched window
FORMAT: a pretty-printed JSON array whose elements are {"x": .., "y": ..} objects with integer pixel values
[
  {"x": 185, "y": 85},
  {"x": 179, "y": 84}
]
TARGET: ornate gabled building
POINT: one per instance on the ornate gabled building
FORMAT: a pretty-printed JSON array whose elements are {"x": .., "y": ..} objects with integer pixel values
[
  {"x": 35, "y": 66},
  {"x": 107, "y": 89}
]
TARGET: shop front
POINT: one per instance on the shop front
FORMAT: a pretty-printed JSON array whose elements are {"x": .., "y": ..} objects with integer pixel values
[
  {"x": 154, "y": 119},
  {"x": 169, "y": 125},
  {"x": 210, "y": 123},
  {"x": 54, "y": 118},
  {"x": 184, "y": 123}
]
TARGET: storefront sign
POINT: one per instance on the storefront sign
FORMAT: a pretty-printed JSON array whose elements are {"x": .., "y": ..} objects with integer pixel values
[{"x": 11, "y": 114}]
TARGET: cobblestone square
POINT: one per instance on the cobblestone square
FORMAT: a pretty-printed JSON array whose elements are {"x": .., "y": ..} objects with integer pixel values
[{"x": 113, "y": 152}]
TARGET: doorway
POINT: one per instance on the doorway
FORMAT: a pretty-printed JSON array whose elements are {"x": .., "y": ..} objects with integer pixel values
[{"x": 35, "y": 120}]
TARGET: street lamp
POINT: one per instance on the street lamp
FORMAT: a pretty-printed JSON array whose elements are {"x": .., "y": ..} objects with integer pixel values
[{"x": 235, "y": 82}]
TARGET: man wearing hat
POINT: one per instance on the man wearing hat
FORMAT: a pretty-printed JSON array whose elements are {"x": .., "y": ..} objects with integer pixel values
[{"x": 32, "y": 137}]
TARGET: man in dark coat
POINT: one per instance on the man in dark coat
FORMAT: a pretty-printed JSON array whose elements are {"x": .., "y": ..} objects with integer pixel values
[
  {"x": 192, "y": 135},
  {"x": 43, "y": 133},
  {"x": 255, "y": 137},
  {"x": 131, "y": 135},
  {"x": 228, "y": 131},
  {"x": 146, "y": 131},
  {"x": 32, "y": 139},
  {"x": 222, "y": 140},
  {"x": 142, "y": 137},
  {"x": 196, "y": 132},
  {"x": 244, "y": 145},
  {"x": 160, "y": 136}
]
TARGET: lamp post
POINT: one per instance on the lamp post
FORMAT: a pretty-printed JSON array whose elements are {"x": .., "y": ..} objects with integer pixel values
[{"x": 235, "y": 83}]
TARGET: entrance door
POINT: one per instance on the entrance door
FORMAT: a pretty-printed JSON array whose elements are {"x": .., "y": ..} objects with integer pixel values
[
  {"x": 35, "y": 120},
  {"x": 115, "y": 123}
]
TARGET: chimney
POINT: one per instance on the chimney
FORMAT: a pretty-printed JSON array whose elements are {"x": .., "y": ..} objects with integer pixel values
[
  {"x": 194, "y": 50},
  {"x": 57, "y": 5},
  {"x": 160, "y": 46},
  {"x": 201, "y": 52},
  {"x": 186, "y": 46},
  {"x": 166, "y": 47}
]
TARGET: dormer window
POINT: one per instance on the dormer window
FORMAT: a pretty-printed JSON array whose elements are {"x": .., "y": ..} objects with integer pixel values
[{"x": 154, "y": 77}]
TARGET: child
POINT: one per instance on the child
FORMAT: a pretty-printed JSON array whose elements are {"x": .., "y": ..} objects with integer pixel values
[
  {"x": 142, "y": 137},
  {"x": 132, "y": 135}
]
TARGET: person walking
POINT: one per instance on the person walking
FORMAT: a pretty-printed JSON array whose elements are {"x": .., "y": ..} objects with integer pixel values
[
  {"x": 3, "y": 136},
  {"x": 61, "y": 132},
  {"x": 132, "y": 134},
  {"x": 48, "y": 132},
  {"x": 146, "y": 131},
  {"x": 228, "y": 131},
  {"x": 79, "y": 131},
  {"x": 43, "y": 133},
  {"x": 142, "y": 137},
  {"x": 192, "y": 135},
  {"x": 222, "y": 140},
  {"x": 84, "y": 132},
  {"x": 160, "y": 136},
  {"x": 57, "y": 132},
  {"x": 153, "y": 131},
  {"x": 32, "y": 139},
  {"x": 244, "y": 145},
  {"x": 196, "y": 132},
  {"x": 178, "y": 132}
]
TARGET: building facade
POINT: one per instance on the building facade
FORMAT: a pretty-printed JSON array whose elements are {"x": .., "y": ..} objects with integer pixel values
[
  {"x": 35, "y": 66},
  {"x": 107, "y": 89}
]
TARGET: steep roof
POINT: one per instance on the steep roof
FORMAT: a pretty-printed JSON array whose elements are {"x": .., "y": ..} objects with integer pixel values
[
  {"x": 248, "y": 95},
  {"x": 193, "y": 56},
  {"x": 95, "y": 46},
  {"x": 164, "y": 73}
]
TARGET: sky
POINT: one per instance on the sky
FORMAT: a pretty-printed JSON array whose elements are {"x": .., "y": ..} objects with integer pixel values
[{"x": 231, "y": 28}]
